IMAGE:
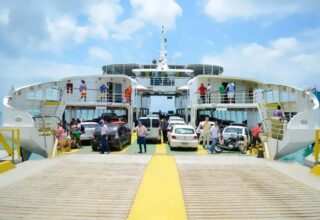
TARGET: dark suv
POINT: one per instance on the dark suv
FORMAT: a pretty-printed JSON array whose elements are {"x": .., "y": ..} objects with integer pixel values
[{"x": 117, "y": 127}]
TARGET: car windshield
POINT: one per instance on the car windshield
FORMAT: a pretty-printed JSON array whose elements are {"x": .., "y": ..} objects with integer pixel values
[
  {"x": 184, "y": 131},
  {"x": 233, "y": 130}
]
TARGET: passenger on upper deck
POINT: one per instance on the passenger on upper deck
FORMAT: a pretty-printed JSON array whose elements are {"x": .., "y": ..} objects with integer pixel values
[
  {"x": 221, "y": 93},
  {"x": 83, "y": 90},
  {"x": 202, "y": 92},
  {"x": 127, "y": 94},
  {"x": 230, "y": 91},
  {"x": 278, "y": 112},
  {"x": 103, "y": 92}
]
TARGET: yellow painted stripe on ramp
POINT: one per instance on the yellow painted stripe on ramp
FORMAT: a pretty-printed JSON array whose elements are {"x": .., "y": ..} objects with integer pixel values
[
  {"x": 161, "y": 148},
  {"x": 63, "y": 152},
  {"x": 6, "y": 166},
  {"x": 159, "y": 195},
  {"x": 201, "y": 150}
]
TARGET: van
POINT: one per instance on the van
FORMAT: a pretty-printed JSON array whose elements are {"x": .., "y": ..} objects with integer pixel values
[{"x": 153, "y": 128}]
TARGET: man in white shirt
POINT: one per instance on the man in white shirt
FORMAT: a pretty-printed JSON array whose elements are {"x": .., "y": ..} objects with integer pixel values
[
  {"x": 104, "y": 137},
  {"x": 214, "y": 134},
  {"x": 205, "y": 132}
]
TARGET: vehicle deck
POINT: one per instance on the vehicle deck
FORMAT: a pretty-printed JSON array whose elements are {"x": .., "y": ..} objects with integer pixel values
[{"x": 161, "y": 184}]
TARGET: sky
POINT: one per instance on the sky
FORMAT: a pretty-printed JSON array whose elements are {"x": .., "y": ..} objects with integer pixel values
[{"x": 272, "y": 41}]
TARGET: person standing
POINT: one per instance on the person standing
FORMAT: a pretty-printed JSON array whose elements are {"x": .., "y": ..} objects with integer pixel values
[
  {"x": 141, "y": 132},
  {"x": 83, "y": 90},
  {"x": 104, "y": 137},
  {"x": 278, "y": 112},
  {"x": 202, "y": 92},
  {"x": 214, "y": 134},
  {"x": 230, "y": 92},
  {"x": 221, "y": 93},
  {"x": 206, "y": 133},
  {"x": 103, "y": 92},
  {"x": 164, "y": 127},
  {"x": 127, "y": 94},
  {"x": 256, "y": 135}
]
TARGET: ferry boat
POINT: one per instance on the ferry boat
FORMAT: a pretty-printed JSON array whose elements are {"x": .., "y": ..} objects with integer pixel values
[{"x": 36, "y": 109}]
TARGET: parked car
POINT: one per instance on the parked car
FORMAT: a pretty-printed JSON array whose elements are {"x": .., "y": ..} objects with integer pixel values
[
  {"x": 153, "y": 128},
  {"x": 173, "y": 123},
  {"x": 183, "y": 136},
  {"x": 88, "y": 128},
  {"x": 234, "y": 130},
  {"x": 119, "y": 135}
]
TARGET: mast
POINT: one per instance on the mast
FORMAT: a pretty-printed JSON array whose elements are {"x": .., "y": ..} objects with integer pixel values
[{"x": 162, "y": 62}]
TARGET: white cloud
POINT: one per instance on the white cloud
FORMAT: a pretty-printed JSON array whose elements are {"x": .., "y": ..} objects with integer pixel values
[
  {"x": 4, "y": 16},
  {"x": 63, "y": 31},
  {"x": 289, "y": 60},
  {"x": 126, "y": 28},
  {"x": 103, "y": 17},
  {"x": 97, "y": 53},
  {"x": 222, "y": 10},
  {"x": 156, "y": 12}
]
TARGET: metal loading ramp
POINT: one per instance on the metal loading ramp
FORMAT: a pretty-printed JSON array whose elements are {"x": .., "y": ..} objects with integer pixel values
[
  {"x": 243, "y": 188},
  {"x": 76, "y": 187}
]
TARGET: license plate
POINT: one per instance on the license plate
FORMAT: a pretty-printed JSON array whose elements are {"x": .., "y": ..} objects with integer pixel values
[{"x": 184, "y": 143}]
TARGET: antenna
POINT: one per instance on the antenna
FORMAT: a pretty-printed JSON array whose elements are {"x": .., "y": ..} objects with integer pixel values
[{"x": 162, "y": 62}]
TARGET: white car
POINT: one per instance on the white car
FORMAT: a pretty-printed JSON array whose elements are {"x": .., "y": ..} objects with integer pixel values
[
  {"x": 233, "y": 130},
  {"x": 183, "y": 136},
  {"x": 153, "y": 128},
  {"x": 174, "y": 123},
  {"x": 88, "y": 130},
  {"x": 175, "y": 118}
]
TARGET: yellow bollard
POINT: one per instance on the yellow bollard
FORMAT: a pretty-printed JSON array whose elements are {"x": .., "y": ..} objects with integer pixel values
[{"x": 316, "y": 168}]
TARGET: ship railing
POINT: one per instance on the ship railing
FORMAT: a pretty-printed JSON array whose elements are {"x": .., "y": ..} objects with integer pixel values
[
  {"x": 278, "y": 127},
  {"x": 10, "y": 144},
  {"x": 238, "y": 97},
  {"x": 95, "y": 95}
]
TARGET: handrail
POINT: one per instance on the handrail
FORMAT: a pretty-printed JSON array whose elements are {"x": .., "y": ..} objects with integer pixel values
[
  {"x": 94, "y": 95},
  {"x": 239, "y": 97},
  {"x": 15, "y": 141}
]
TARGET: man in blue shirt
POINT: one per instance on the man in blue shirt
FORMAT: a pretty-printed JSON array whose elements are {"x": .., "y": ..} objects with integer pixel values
[
  {"x": 230, "y": 92},
  {"x": 103, "y": 92}
]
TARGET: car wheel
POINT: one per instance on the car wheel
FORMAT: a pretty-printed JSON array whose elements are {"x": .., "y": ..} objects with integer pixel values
[
  {"x": 129, "y": 140},
  {"x": 159, "y": 141},
  {"x": 242, "y": 148},
  {"x": 218, "y": 149}
]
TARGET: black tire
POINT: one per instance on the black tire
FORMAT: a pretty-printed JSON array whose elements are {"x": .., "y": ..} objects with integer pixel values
[
  {"x": 242, "y": 148},
  {"x": 218, "y": 149},
  {"x": 159, "y": 141},
  {"x": 129, "y": 140}
]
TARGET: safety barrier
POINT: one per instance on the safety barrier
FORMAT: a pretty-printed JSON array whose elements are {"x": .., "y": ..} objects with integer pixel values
[
  {"x": 15, "y": 142},
  {"x": 316, "y": 168}
]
